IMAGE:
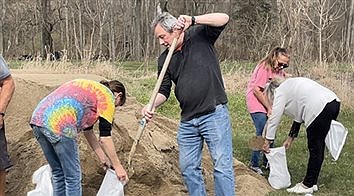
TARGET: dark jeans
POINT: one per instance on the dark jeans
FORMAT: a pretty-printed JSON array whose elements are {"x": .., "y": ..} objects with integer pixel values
[
  {"x": 5, "y": 162},
  {"x": 259, "y": 121},
  {"x": 316, "y": 135}
]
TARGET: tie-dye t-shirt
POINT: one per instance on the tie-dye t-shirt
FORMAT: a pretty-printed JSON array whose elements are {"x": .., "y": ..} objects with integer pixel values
[{"x": 73, "y": 106}]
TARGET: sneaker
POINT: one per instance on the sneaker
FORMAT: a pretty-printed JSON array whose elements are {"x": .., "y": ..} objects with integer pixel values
[
  {"x": 257, "y": 170},
  {"x": 315, "y": 188},
  {"x": 300, "y": 188},
  {"x": 266, "y": 166}
]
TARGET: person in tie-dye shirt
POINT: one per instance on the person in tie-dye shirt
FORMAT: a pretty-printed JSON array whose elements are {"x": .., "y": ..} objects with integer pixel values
[{"x": 57, "y": 120}]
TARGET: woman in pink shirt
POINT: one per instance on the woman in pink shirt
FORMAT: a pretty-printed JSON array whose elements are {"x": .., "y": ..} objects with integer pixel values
[{"x": 270, "y": 66}]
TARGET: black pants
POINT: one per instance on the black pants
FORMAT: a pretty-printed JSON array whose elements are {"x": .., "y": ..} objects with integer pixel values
[
  {"x": 316, "y": 135},
  {"x": 5, "y": 162}
]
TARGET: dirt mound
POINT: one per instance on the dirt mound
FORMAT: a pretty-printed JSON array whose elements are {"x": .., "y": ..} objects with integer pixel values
[{"x": 155, "y": 161}]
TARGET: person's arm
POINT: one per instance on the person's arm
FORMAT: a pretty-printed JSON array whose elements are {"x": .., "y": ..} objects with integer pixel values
[
  {"x": 7, "y": 90},
  {"x": 258, "y": 93},
  {"x": 110, "y": 150},
  {"x": 160, "y": 99},
  {"x": 105, "y": 148},
  {"x": 295, "y": 128},
  {"x": 93, "y": 142},
  {"x": 274, "y": 119},
  {"x": 287, "y": 143},
  {"x": 294, "y": 131},
  {"x": 107, "y": 144},
  {"x": 260, "y": 77},
  {"x": 212, "y": 19}
]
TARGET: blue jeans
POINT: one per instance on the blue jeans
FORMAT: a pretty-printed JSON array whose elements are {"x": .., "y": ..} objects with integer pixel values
[
  {"x": 63, "y": 158},
  {"x": 215, "y": 129},
  {"x": 259, "y": 121}
]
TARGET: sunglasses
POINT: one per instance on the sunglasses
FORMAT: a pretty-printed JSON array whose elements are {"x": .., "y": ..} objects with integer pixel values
[{"x": 282, "y": 65}]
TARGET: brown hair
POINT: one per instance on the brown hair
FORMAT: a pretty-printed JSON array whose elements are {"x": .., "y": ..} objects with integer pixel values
[
  {"x": 270, "y": 60},
  {"x": 116, "y": 86}
]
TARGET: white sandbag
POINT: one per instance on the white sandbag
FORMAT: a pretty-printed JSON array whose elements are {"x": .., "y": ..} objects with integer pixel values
[
  {"x": 279, "y": 176},
  {"x": 335, "y": 139},
  {"x": 111, "y": 186},
  {"x": 42, "y": 177}
]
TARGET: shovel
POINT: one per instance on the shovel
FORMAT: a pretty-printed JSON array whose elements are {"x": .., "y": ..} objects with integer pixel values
[{"x": 143, "y": 121}]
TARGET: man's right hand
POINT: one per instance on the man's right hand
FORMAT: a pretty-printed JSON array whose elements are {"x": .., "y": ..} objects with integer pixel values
[{"x": 146, "y": 113}]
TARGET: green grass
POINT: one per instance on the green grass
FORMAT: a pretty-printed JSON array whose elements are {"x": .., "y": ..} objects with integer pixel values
[
  {"x": 15, "y": 64},
  {"x": 336, "y": 178}
]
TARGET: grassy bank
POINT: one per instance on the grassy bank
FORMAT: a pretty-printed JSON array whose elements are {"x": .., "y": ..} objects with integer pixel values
[{"x": 337, "y": 178}]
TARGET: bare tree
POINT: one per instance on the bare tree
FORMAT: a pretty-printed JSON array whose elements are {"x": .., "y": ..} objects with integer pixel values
[
  {"x": 118, "y": 29},
  {"x": 102, "y": 11},
  {"x": 2, "y": 17},
  {"x": 112, "y": 32},
  {"x": 67, "y": 34},
  {"x": 322, "y": 15},
  {"x": 46, "y": 28},
  {"x": 350, "y": 28}
]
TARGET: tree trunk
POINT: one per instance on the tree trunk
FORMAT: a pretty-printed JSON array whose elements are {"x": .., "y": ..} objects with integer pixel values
[
  {"x": 136, "y": 29},
  {"x": 147, "y": 36},
  {"x": 350, "y": 24},
  {"x": 78, "y": 53},
  {"x": 81, "y": 31},
  {"x": 101, "y": 21},
  {"x": 320, "y": 28},
  {"x": 112, "y": 33},
  {"x": 2, "y": 17},
  {"x": 46, "y": 28},
  {"x": 67, "y": 35}
]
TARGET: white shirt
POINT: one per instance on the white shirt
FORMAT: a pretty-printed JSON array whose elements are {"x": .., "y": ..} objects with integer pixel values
[{"x": 299, "y": 98}]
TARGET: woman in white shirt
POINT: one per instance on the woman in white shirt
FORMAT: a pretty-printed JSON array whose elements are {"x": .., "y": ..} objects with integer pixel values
[{"x": 306, "y": 102}]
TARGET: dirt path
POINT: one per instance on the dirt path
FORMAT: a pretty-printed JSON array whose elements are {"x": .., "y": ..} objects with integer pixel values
[{"x": 155, "y": 162}]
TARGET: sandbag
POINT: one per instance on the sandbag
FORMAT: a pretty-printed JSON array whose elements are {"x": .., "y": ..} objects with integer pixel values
[
  {"x": 111, "y": 186},
  {"x": 335, "y": 139},
  {"x": 279, "y": 176},
  {"x": 42, "y": 177}
]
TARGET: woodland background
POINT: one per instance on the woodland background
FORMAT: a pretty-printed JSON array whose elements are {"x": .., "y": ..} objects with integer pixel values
[{"x": 318, "y": 31}]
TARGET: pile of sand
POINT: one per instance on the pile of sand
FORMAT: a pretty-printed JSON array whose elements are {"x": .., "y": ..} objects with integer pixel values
[{"x": 155, "y": 161}]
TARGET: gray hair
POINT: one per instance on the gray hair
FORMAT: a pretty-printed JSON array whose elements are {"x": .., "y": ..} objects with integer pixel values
[
  {"x": 166, "y": 20},
  {"x": 270, "y": 87}
]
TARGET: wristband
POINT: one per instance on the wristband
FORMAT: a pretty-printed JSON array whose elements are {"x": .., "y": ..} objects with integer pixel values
[{"x": 193, "y": 21}]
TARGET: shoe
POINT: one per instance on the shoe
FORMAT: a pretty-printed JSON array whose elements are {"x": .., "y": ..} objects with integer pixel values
[
  {"x": 266, "y": 166},
  {"x": 315, "y": 188},
  {"x": 257, "y": 170},
  {"x": 300, "y": 188}
]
